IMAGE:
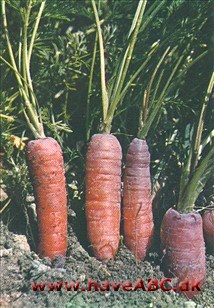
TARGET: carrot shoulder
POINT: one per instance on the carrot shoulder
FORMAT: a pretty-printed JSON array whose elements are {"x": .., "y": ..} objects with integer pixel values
[
  {"x": 137, "y": 204},
  {"x": 46, "y": 168},
  {"x": 103, "y": 195}
]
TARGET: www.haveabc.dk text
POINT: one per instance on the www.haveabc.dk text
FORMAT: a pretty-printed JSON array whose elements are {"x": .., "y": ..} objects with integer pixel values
[{"x": 150, "y": 285}]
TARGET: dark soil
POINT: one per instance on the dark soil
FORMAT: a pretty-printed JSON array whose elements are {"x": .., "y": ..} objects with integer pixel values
[{"x": 20, "y": 267}]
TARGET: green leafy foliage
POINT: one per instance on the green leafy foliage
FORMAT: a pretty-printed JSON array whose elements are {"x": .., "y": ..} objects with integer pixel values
[{"x": 61, "y": 63}]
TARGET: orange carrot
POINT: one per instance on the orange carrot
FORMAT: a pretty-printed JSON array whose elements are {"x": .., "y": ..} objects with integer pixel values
[
  {"x": 46, "y": 168},
  {"x": 137, "y": 205},
  {"x": 208, "y": 228},
  {"x": 103, "y": 165},
  {"x": 44, "y": 155},
  {"x": 183, "y": 248},
  {"x": 103, "y": 193}
]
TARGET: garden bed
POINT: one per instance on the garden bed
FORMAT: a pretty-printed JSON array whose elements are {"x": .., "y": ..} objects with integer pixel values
[{"x": 20, "y": 267}]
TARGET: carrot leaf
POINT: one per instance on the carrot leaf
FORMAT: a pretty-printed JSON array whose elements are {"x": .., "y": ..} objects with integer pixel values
[
  {"x": 194, "y": 177},
  {"x": 22, "y": 74}
]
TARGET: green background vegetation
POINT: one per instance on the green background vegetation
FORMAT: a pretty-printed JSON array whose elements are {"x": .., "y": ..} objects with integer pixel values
[{"x": 72, "y": 112}]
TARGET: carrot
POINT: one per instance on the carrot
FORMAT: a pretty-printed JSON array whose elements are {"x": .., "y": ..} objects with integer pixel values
[
  {"x": 182, "y": 238},
  {"x": 137, "y": 204},
  {"x": 46, "y": 168},
  {"x": 103, "y": 162},
  {"x": 44, "y": 155},
  {"x": 137, "y": 200},
  {"x": 208, "y": 228},
  {"x": 183, "y": 246},
  {"x": 103, "y": 189}
]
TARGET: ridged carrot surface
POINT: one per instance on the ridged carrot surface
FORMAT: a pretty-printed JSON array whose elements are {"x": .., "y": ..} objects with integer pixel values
[
  {"x": 208, "y": 228},
  {"x": 103, "y": 195},
  {"x": 46, "y": 168},
  {"x": 137, "y": 204},
  {"x": 183, "y": 247}
]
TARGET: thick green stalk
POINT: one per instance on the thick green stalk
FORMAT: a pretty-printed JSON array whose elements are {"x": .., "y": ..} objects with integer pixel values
[
  {"x": 157, "y": 86},
  {"x": 32, "y": 117},
  {"x": 197, "y": 143},
  {"x": 9, "y": 46},
  {"x": 94, "y": 27},
  {"x": 90, "y": 88},
  {"x": 20, "y": 52},
  {"x": 187, "y": 201},
  {"x": 105, "y": 101},
  {"x": 28, "y": 52},
  {"x": 147, "y": 18},
  {"x": 25, "y": 58},
  {"x": 187, "y": 182},
  {"x": 128, "y": 54},
  {"x": 132, "y": 78},
  {"x": 24, "y": 46},
  {"x": 33, "y": 37},
  {"x": 149, "y": 87},
  {"x": 25, "y": 61},
  {"x": 185, "y": 175},
  {"x": 123, "y": 69},
  {"x": 143, "y": 133},
  {"x": 151, "y": 12}
]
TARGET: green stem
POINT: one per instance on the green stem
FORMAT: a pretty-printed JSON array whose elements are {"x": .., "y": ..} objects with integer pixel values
[
  {"x": 185, "y": 175},
  {"x": 94, "y": 27},
  {"x": 32, "y": 117},
  {"x": 105, "y": 101},
  {"x": 24, "y": 47},
  {"x": 128, "y": 54},
  {"x": 31, "y": 126},
  {"x": 16, "y": 72},
  {"x": 150, "y": 13},
  {"x": 196, "y": 60},
  {"x": 157, "y": 86},
  {"x": 197, "y": 143},
  {"x": 26, "y": 62},
  {"x": 9, "y": 46},
  {"x": 148, "y": 90},
  {"x": 123, "y": 67},
  {"x": 144, "y": 132},
  {"x": 133, "y": 77},
  {"x": 187, "y": 201},
  {"x": 90, "y": 88},
  {"x": 38, "y": 18},
  {"x": 20, "y": 52},
  {"x": 65, "y": 106},
  {"x": 29, "y": 52},
  {"x": 140, "y": 125}
]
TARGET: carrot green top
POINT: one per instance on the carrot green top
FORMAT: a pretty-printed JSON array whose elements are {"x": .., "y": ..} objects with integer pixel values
[
  {"x": 111, "y": 98},
  {"x": 197, "y": 170},
  {"x": 23, "y": 76}
]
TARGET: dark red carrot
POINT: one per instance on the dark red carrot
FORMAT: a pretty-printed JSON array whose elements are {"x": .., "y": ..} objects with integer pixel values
[
  {"x": 46, "y": 168},
  {"x": 137, "y": 205},
  {"x": 182, "y": 238},
  {"x": 103, "y": 195},
  {"x": 208, "y": 228},
  {"x": 183, "y": 248}
]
